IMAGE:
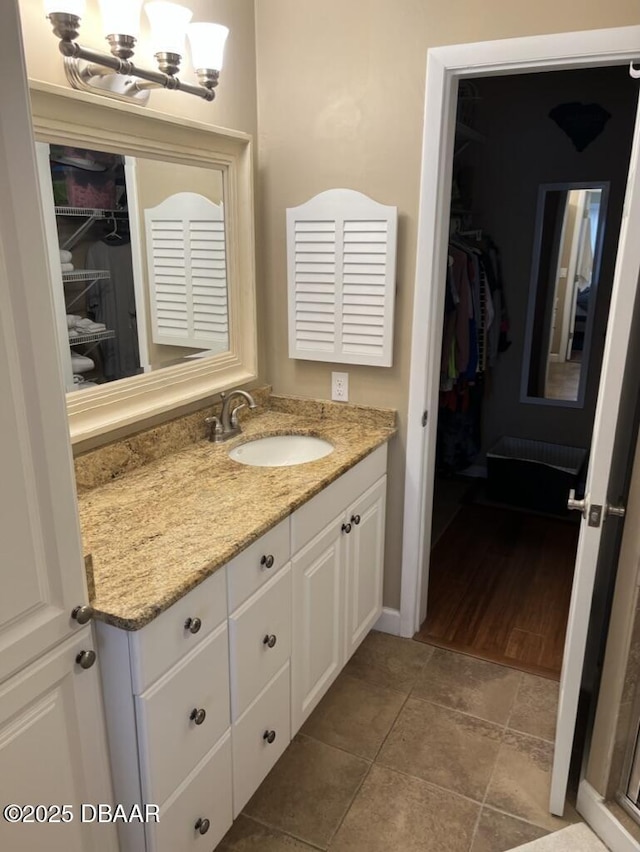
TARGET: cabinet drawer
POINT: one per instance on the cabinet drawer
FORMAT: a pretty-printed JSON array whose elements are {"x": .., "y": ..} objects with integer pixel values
[
  {"x": 256, "y": 565},
  {"x": 171, "y": 743},
  {"x": 206, "y": 794},
  {"x": 253, "y": 755},
  {"x": 160, "y": 645},
  {"x": 254, "y": 661},
  {"x": 312, "y": 517}
]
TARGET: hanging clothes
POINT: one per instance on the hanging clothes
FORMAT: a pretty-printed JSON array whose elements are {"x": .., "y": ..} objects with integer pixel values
[
  {"x": 476, "y": 328},
  {"x": 112, "y": 302}
]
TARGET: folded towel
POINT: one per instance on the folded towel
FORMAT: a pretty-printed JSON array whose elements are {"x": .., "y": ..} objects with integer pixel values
[
  {"x": 86, "y": 325},
  {"x": 72, "y": 319},
  {"x": 73, "y": 333},
  {"x": 67, "y": 267},
  {"x": 80, "y": 384},
  {"x": 65, "y": 256},
  {"x": 80, "y": 363}
]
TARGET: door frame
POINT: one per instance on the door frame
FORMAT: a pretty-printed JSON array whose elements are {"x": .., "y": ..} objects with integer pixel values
[{"x": 445, "y": 67}]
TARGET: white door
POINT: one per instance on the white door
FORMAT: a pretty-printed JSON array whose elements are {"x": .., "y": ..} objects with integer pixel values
[
  {"x": 40, "y": 548},
  {"x": 603, "y": 480}
]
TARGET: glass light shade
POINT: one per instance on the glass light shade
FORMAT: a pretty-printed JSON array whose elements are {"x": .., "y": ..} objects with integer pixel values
[
  {"x": 168, "y": 26},
  {"x": 64, "y": 7},
  {"x": 121, "y": 17},
  {"x": 207, "y": 45}
]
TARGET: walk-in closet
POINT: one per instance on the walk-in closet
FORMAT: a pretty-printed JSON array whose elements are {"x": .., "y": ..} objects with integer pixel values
[{"x": 539, "y": 175}]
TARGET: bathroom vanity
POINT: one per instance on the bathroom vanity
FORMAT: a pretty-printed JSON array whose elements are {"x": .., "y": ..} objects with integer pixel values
[{"x": 219, "y": 633}]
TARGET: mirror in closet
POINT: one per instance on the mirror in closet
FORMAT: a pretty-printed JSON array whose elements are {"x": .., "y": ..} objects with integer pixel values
[
  {"x": 139, "y": 262},
  {"x": 569, "y": 234}
]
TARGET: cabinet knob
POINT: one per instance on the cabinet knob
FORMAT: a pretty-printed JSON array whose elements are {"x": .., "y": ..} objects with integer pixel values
[
  {"x": 193, "y": 625},
  {"x": 267, "y": 561},
  {"x": 355, "y": 519},
  {"x": 270, "y": 640},
  {"x": 202, "y": 826},
  {"x": 346, "y": 528},
  {"x": 86, "y": 659},
  {"x": 198, "y": 716},
  {"x": 82, "y": 613},
  {"x": 269, "y": 736}
]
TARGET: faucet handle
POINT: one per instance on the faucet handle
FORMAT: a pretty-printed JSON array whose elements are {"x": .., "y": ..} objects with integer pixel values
[
  {"x": 214, "y": 427},
  {"x": 234, "y": 414}
]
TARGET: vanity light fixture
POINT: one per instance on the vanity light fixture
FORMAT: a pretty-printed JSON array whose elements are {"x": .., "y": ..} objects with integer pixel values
[{"x": 114, "y": 74}]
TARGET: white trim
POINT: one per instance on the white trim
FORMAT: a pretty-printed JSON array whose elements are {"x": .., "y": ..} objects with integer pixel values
[
  {"x": 133, "y": 207},
  {"x": 613, "y": 834},
  {"x": 389, "y": 621},
  {"x": 445, "y": 65}
]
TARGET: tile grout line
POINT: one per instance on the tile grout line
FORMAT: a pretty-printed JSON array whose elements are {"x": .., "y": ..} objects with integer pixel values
[
  {"x": 373, "y": 762},
  {"x": 493, "y": 770},
  {"x": 284, "y": 833}
]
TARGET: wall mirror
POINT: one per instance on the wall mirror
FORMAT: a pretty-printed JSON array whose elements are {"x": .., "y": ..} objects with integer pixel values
[
  {"x": 569, "y": 233},
  {"x": 149, "y": 224}
]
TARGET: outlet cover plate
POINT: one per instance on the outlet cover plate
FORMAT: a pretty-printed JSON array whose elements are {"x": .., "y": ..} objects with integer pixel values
[{"x": 340, "y": 387}]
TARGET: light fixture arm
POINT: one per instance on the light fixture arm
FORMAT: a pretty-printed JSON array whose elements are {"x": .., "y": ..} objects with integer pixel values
[{"x": 102, "y": 66}]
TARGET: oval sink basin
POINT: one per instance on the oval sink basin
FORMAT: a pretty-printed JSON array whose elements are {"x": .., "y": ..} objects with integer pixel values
[{"x": 281, "y": 451}]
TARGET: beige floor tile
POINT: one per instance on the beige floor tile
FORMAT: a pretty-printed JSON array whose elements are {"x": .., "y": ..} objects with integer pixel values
[
  {"x": 536, "y": 707},
  {"x": 308, "y": 791},
  {"x": 395, "y": 813},
  {"x": 447, "y": 748},
  {"x": 354, "y": 715},
  {"x": 465, "y": 683},
  {"x": 498, "y": 832},
  {"x": 248, "y": 836},
  {"x": 522, "y": 780},
  {"x": 389, "y": 661}
]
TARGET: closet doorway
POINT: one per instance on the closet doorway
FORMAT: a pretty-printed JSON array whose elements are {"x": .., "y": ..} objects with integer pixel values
[
  {"x": 615, "y": 405},
  {"x": 536, "y": 204}
]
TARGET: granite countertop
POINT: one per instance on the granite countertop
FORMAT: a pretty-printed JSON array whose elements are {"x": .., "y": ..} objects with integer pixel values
[{"x": 159, "y": 530}]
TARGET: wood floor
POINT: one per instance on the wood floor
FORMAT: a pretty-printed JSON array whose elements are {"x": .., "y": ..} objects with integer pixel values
[{"x": 500, "y": 586}]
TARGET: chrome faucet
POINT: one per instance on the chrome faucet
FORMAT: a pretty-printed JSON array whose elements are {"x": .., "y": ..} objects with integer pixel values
[{"x": 227, "y": 426}]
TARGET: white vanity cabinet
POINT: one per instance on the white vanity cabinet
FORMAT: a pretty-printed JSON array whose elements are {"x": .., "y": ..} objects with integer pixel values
[
  {"x": 166, "y": 691},
  {"x": 337, "y": 578},
  {"x": 203, "y": 701}
]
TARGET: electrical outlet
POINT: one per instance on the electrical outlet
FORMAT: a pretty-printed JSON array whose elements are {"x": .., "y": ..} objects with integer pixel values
[{"x": 340, "y": 387}]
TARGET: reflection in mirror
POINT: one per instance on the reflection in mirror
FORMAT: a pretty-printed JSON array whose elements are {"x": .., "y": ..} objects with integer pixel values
[
  {"x": 139, "y": 263},
  {"x": 568, "y": 247}
]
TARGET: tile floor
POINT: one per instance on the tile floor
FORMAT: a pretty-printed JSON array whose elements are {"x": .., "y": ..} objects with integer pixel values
[{"x": 413, "y": 749}]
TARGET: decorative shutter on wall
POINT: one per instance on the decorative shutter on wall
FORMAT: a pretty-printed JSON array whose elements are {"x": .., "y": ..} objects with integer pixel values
[
  {"x": 341, "y": 258},
  {"x": 186, "y": 256}
]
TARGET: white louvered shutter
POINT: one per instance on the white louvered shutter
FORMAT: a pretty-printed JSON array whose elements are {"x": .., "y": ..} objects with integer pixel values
[
  {"x": 341, "y": 257},
  {"x": 186, "y": 256}
]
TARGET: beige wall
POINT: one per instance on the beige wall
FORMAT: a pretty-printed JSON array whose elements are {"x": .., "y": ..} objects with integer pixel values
[{"x": 340, "y": 103}]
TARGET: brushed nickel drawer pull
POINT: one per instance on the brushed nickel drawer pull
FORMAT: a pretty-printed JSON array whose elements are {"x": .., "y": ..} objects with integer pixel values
[
  {"x": 198, "y": 716},
  {"x": 193, "y": 625}
]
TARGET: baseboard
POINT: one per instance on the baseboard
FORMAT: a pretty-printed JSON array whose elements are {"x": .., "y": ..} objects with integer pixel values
[
  {"x": 613, "y": 834},
  {"x": 389, "y": 621}
]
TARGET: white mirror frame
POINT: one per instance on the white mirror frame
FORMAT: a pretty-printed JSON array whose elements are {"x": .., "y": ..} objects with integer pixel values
[{"x": 63, "y": 116}]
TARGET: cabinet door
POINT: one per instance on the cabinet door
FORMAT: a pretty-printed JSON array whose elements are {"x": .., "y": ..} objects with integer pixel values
[
  {"x": 40, "y": 550},
  {"x": 318, "y": 593},
  {"x": 53, "y": 752},
  {"x": 364, "y": 564}
]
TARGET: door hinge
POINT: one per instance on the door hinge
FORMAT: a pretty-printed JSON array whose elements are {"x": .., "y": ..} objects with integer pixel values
[{"x": 425, "y": 417}]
